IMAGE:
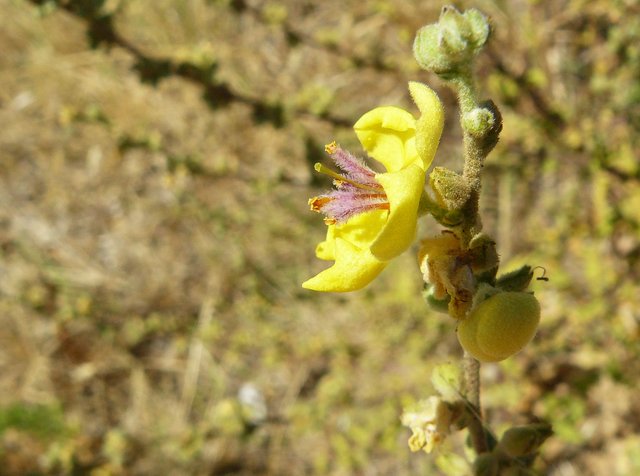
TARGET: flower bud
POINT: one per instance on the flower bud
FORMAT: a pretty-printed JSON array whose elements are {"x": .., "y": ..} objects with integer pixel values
[
  {"x": 482, "y": 254},
  {"x": 450, "y": 187},
  {"x": 478, "y": 122},
  {"x": 500, "y": 326},
  {"x": 449, "y": 45},
  {"x": 486, "y": 464},
  {"x": 524, "y": 440},
  {"x": 517, "y": 280},
  {"x": 435, "y": 303}
]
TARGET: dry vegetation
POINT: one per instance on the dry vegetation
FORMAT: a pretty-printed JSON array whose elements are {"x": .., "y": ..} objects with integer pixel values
[{"x": 155, "y": 161}]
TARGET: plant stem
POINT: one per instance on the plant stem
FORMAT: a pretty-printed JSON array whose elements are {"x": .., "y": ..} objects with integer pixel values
[
  {"x": 472, "y": 391},
  {"x": 474, "y": 156}
]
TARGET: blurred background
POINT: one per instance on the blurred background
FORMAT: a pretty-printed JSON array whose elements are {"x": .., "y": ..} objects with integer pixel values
[{"x": 156, "y": 159}]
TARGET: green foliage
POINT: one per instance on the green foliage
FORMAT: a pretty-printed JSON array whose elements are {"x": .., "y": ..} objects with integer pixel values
[{"x": 40, "y": 420}]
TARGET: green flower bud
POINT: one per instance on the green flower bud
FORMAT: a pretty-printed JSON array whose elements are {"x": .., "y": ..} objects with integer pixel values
[
  {"x": 524, "y": 440},
  {"x": 486, "y": 464},
  {"x": 482, "y": 254},
  {"x": 435, "y": 303},
  {"x": 484, "y": 124},
  {"x": 479, "y": 27},
  {"x": 428, "y": 51},
  {"x": 500, "y": 326},
  {"x": 454, "y": 31},
  {"x": 451, "y": 44},
  {"x": 517, "y": 280},
  {"x": 478, "y": 122},
  {"x": 450, "y": 188}
]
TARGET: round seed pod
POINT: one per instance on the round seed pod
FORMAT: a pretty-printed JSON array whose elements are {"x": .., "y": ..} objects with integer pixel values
[{"x": 500, "y": 326}]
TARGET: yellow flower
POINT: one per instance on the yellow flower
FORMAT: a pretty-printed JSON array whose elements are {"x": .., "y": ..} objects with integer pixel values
[{"x": 372, "y": 217}]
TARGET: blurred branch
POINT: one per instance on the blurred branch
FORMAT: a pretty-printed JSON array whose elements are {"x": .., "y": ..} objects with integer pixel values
[
  {"x": 217, "y": 94},
  {"x": 296, "y": 36},
  {"x": 619, "y": 174},
  {"x": 552, "y": 119}
]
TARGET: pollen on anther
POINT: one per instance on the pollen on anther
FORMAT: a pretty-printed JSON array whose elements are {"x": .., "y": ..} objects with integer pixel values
[
  {"x": 317, "y": 203},
  {"x": 331, "y": 148}
]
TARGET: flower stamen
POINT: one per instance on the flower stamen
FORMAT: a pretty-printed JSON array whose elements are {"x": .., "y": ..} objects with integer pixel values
[
  {"x": 356, "y": 190},
  {"x": 341, "y": 178}
]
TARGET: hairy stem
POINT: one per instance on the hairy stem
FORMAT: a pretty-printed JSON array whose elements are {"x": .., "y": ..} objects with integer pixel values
[
  {"x": 472, "y": 391},
  {"x": 476, "y": 149},
  {"x": 474, "y": 155}
]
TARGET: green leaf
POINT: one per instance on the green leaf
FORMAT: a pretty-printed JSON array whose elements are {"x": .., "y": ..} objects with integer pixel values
[{"x": 447, "y": 380}]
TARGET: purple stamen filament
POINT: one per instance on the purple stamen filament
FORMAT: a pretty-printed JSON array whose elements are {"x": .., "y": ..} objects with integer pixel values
[{"x": 356, "y": 190}]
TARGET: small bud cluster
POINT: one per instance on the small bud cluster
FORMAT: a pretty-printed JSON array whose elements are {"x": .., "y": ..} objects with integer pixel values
[
  {"x": 447, "y": 47},
  {"x": 497, "y": 317}
]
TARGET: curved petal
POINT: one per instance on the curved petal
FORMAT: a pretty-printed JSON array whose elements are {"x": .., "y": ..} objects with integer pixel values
[
  {"x": 354, "y": 269},
  {"x": 326, "y": 249},
  {"x": 360, "y": 230},
  {"x": 403, "y": 189},
  {"x": 430, "y": 123},
  {"x": 388, "y": 135}
]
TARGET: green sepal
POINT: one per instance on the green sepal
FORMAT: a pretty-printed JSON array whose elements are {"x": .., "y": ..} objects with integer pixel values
[
  {"x": 451, "y": 189},
  {"x": 444, "y": 216},
  {"x": 439, "y": 305},
  {"x": 524, "y": 440},
  {"x": 517, "y": 280},
  {"x": 486, "y": 464}
]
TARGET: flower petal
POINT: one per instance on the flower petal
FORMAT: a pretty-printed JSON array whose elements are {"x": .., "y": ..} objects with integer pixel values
[
  {"x": 430, "y": 123},
  {"x": 354, "y": 269},
  {"x": 326, "y": 249},
  {"x": 360, "y": 230},
  {"x": 403, "y": 189},
  {"x": 388, "y": 135}
]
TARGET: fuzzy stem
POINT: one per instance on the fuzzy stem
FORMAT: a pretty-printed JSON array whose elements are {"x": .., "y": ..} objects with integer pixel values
[
  {"x": 474, "y": 156},
  {"x": 472, "y": 391},
  {"x": 475, "y": 153}
]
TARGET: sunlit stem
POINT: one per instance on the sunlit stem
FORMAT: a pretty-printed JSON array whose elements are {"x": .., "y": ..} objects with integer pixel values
[{"x": 472, "y": 393}]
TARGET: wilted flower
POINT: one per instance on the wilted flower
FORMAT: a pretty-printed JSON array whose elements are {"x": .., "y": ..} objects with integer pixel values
[{"x": 429, "y": 421}]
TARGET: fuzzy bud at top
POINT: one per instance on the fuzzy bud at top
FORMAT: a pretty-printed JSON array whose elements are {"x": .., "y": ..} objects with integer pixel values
[{"x": 451, "y": 44}]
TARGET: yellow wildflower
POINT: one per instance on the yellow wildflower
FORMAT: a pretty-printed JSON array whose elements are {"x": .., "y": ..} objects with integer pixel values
[{"x": 372, "y": 217}]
